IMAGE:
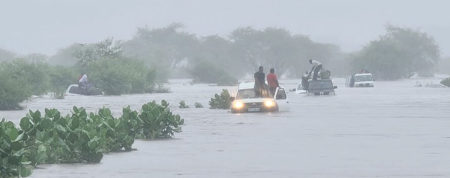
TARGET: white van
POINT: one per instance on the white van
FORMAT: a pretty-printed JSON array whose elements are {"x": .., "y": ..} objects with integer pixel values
[{"x": 246, "y": 100}]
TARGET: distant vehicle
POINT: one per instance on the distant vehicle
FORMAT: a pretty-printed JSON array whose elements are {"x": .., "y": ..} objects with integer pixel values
[
  {"x": 74, "y": 89},
  {"x": 361, "y": 80},
  {"x": 246, "y": 100},
  {"x": 321, "y": 87}
]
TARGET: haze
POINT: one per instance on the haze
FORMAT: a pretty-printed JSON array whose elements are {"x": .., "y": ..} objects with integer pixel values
[{"x": 44, "y": 26}]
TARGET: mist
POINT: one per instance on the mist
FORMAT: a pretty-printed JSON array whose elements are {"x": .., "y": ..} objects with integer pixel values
[
  {"x": 45, "y": 26},
  {"x": 205, "y": 88}
]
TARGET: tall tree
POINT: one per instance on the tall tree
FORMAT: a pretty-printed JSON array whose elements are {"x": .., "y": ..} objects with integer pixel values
[
  {"x": 398, "y": 54},
  {"x": 6, "y": 55}
]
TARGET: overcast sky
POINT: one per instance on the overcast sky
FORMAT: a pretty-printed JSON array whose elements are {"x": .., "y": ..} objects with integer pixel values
[{"x": 44, "y": 26}]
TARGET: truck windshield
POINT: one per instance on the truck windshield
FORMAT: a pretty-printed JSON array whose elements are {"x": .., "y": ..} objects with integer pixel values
[{"x": 250, "y": 93}]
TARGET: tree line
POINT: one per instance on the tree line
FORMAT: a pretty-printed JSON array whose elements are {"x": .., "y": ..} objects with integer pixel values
[
  {"x": 175, "y": 53},
  {"x": 152, "y": 56}
]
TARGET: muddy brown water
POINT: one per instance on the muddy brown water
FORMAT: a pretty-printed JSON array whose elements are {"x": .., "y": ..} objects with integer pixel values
[{"x": 392, "y": 130}]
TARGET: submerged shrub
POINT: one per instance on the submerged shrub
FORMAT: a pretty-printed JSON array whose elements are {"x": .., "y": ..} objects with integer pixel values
[
  {"x": 20, "y": 79},
  {"x": 12, "y": 151},
  {"x": 222, "y": 101},
  {"x": 183, "y": 105},
  {"x": 60, "y": 78},
  {"x": 446, "y": 82},
  {"x": 12, "y": 92},
  {"x": 198, "y": 105},
  {"x": 56, "y": 139},
  {"x": 79, "y": 137},
  {"x": 32, "y": 76},
  {"x": 158, "y": 121}
]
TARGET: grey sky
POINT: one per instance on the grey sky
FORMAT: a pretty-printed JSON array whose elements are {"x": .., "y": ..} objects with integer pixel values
[{"x": 44, "y": 26}]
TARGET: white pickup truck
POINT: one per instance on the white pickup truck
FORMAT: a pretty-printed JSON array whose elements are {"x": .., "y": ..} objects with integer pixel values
[
  {"x": 361, "y": 80},
  {"x": 246, "y": 100}
]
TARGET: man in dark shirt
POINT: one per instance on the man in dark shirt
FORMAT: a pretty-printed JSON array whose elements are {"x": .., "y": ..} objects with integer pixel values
[{"x": 260, "y": 81}]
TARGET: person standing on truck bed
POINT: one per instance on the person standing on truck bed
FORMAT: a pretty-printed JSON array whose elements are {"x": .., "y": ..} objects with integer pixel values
[
  {"x": 272, "y": 81},
  {"x": 317, "y": 66},
  {"x": 260, "y": 82}
]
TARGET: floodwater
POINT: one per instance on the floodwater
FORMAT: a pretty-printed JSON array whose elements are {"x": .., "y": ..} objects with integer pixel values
[{"x": 392, "y": 130}]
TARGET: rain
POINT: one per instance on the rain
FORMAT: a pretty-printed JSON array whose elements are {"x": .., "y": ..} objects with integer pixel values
[{"x": 224, "y": 88}]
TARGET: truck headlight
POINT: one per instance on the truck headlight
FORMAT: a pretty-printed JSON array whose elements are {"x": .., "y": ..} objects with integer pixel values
[
  {"x": 238, "y": 104},
  {"x": 269, "y": 103}
]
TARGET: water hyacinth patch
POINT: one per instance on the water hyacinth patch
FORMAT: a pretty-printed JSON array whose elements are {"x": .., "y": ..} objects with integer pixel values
[
  {"x": 79, "y": 137},
  {"x": 12, "y": 151},
  {"x": 158, "y": 121}
]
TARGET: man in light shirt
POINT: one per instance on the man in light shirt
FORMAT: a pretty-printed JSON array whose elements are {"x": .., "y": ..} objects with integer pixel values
[
  {"x": 317, "y": 66},
  {"x": 83, "y": 81}
]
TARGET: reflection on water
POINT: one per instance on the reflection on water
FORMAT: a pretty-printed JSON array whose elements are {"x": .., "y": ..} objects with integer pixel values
[{"x": 394, "y": 129}]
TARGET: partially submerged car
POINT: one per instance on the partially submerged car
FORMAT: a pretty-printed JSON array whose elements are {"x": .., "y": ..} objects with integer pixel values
[
  {"x": 74, "y": 89},
  {"x": 321, "y": 87},
  {"x": 361, "y": 80},
  {"x": 247, "y": 101}
]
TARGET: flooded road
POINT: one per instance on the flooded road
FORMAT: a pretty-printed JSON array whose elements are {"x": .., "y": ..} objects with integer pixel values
[{"x": 392, "y": 130}]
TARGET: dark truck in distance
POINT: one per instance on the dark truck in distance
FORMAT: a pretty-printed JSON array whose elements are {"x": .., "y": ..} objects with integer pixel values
[{"x": 321, "y": 87}]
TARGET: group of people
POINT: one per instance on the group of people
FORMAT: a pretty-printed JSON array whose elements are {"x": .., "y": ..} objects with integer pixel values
[
  {"x": 261, "y": 89},
  {"x": 272, "y": 80}
]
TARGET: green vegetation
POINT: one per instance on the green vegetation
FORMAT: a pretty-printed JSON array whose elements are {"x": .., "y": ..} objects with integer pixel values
[
  {"x": 183, "y": 105},
  {"x": 446, "y": 82},
  {"x": 121, "y": 76},
  {"x": 102, "y": 62},
  {"x": 60, "y": 78},
  {"x": 214, "y": 59},
  {"x": 158, "y": 121},
  {"x": 141, "y": 64},
  {"x": 32, "y": 75},
  {"x": 12, "y": 151},
  {"x": 206, "y": 72},
  {"x": 398, "y": 54},
  {"x": 198, "y": 105},
  {"x": 79, "y": 137},
  {"x": 20, "y": 79},
  {"x": 222, "y": 101},
  {"x": 12, "y": 91}
]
